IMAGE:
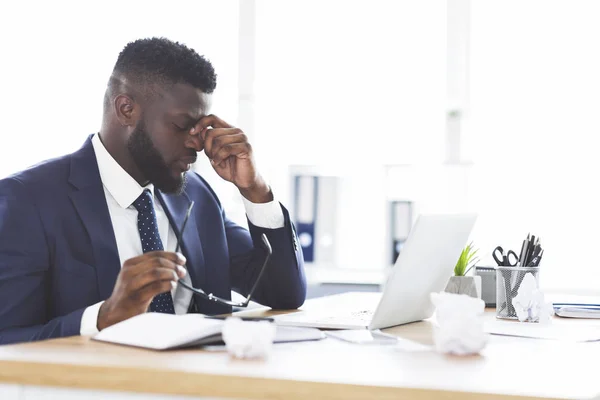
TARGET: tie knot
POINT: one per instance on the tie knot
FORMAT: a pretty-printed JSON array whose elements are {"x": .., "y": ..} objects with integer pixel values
[{"x": 144, "y": 202}]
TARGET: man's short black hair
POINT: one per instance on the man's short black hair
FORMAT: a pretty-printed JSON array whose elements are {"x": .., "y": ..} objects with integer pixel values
[{"x": 146, "y": 62}]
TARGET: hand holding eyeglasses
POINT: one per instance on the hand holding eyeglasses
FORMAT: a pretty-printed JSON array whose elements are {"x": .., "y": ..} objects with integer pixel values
[
  {"x": 155, "y": 272},
  {"x": 140, "y": 279}
]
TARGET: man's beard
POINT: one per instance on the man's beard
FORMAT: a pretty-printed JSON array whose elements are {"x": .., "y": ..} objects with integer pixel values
[{"x": 150, "y": 162}]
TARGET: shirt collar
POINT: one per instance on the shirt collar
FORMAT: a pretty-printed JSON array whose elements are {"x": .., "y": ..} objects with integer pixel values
[{"x": 115, "y": 179}]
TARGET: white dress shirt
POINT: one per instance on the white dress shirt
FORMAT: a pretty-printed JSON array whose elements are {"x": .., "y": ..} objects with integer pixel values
[{"x": 121, "y": 190}]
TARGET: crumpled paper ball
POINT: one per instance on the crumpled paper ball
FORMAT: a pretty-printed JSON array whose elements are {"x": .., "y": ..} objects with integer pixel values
[
  {"x": 460, "y": 324},
  {"x": 529, "y": 303},
  {"x": 248, "y": 339}
]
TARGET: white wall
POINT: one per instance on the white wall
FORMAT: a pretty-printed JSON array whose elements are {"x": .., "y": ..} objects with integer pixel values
[
  {"x": 57, "y": 57},
  {"x": 534, "y": 131},
  {"x": 350, "y": 86},
  {"x": 359, "y": 87}
]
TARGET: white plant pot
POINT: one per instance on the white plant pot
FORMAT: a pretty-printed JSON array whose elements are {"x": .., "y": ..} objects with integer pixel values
[{"x": 469, "y": 285}]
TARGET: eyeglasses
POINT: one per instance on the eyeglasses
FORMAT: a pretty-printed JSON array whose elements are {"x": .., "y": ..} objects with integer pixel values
[{"x": 210, "y": 296}]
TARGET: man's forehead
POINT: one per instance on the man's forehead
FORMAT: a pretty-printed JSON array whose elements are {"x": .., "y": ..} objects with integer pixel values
[{"x": 185, "y": 99}]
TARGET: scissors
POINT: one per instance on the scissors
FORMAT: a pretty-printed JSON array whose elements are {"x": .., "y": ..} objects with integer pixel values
[{"x": 509, "y": 259}]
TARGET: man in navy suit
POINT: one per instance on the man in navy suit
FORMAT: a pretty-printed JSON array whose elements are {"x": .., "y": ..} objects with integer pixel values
[{"x": 89, "y": 239}]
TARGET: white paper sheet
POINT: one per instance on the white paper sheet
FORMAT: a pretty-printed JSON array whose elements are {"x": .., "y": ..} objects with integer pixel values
[
  {"x": 564, "y": 332},
  {"x": 377, "y": 338}
]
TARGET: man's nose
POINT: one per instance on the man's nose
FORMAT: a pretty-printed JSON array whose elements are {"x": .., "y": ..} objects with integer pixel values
[{"x": 194, "y": 142}]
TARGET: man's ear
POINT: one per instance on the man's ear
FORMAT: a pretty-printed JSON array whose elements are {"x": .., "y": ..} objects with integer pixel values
[{"x": 127, "y": 110}]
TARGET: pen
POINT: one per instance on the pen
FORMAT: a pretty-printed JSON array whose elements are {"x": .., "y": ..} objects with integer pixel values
[
  {"x": 530, "y": 249},
  {"x": 539, "y": 260},
  {"x": 536, "y": 260},
  {"x": 536, "y": 251},
  {"x": 523, "y": 252},
  {"x": 531, "y": 257}
]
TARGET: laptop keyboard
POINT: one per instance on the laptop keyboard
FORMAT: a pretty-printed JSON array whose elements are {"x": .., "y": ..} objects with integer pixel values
[{"x": 364, "y": 315}]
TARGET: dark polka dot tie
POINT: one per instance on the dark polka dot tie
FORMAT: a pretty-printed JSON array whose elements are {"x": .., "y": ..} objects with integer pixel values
[{"x": 148, "y": 229}]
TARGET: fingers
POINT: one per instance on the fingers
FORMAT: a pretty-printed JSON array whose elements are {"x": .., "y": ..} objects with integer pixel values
[
  {"x": 209, "y": 121},
  {"x": 148, "y": 292},
  {"x": 212, "y": 121},
  {"x": 155, "y": 272},
  {"x": 153, "y": 275},
  {"x": 135, "y": 267},
  {"x": 240, "y": 150},
  {"x": 177, "y": 258},
  {"x": 221, "y": 142},
  {"x": 221, "y": 139},
  {"x": 215, "y": 139},
  {"x": 140, "y": 279}
]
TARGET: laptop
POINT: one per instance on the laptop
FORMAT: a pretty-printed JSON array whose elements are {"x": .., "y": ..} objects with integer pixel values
[{"x": 424, "y": 265}]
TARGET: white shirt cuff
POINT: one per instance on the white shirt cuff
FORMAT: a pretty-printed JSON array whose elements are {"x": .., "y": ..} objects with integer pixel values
[
  {"x": 264, "y": 215},
  {"x": 89, "y": 320}
]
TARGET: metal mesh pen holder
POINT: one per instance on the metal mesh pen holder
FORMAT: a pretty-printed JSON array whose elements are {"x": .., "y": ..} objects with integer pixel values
[{"x": 508, "y": 282}]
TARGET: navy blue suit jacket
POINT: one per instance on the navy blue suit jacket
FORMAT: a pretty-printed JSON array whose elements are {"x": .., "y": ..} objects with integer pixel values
[{"x": 58, "y": 253}]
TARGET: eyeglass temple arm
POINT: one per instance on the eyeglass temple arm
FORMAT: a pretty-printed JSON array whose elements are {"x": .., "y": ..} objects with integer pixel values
[
  {"x": 262, "y": 269},
  {"x": 185, "y": 220}
]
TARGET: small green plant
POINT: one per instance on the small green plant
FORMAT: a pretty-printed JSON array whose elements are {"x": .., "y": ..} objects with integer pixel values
[{"x": 466, "y": 261}]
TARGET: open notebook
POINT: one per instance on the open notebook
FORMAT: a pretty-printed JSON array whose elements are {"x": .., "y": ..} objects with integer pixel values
[{"x": 167, "y": 331}]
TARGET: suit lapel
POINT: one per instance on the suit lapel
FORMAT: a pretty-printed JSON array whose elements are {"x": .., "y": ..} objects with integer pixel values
[
  {"x": 176, "y": 208},
  {"x": 90, "y": 202}
]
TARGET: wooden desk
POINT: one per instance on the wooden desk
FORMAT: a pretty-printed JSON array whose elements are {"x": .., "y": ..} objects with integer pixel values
[{"x": 328, "y": 369}]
